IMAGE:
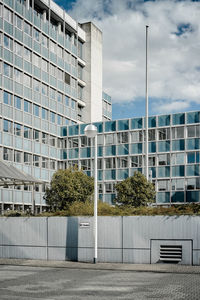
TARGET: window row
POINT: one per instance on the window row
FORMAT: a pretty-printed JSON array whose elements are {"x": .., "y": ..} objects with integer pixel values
[{"x": 178, "y": 184}]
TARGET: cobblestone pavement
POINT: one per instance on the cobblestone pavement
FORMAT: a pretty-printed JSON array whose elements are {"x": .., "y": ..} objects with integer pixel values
[{"x": 26, "y": 282}]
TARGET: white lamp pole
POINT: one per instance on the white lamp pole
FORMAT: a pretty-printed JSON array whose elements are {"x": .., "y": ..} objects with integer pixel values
[
  {"x": 91, "y": 132},
  {"x": 147, "y": 109}
]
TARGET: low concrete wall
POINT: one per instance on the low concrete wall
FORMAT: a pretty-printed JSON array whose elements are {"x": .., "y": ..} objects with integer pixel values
[{"x": 134, "y": 239}]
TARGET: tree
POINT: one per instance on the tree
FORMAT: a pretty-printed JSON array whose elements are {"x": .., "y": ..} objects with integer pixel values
[
  {"x": 68, "y": 186},
  {"x": 135, "y": 191}
]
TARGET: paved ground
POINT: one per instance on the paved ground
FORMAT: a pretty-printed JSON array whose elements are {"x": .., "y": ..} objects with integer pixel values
[{"x": 19, "y": 281}]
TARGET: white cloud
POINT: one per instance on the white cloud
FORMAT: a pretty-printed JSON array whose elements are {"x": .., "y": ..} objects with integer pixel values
[{"x": 174, "y": 66}]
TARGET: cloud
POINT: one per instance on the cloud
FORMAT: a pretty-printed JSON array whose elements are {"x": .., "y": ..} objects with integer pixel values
[{"x": 174, "y": 44}]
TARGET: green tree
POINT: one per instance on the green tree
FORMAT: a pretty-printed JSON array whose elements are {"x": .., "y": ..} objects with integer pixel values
[
  {"x": 135, "y": 191},
  {"x": 68, "y": 186}
]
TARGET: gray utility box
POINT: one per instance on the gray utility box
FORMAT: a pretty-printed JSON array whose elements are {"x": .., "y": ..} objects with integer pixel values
[{"x": 171, "y": 251}]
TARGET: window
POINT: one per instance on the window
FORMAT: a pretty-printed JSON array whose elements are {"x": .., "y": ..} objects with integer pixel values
[
  {"x": 152, "y": 161},
  {"x": 27, "y": 28},
  {"x": 178, "y": 119},
  {"x": 59, "y": 97},
  {"x": 73, "y": 83},
  {"x": 27, "y": 54},
  {"x": 18, "y": 102},
  {"x": 177, "y": 132},
  {"x": 73, "y": 61},
  {"x": 67, "y": 78},
  {"x": 36, "y": 110},
  {"x": 44, "y": 114},
  {"x": 177, "y": 158},
  {"x": 52, "y": 164},
  {"x": 52, "y": 140},
  {"x": 45, "y": 162},
  {"x": 52, "y": 117},
  {"x": 163, "y": 185},
  {"x": 52, "y": 93},
  {"x": 8, "y": 15},
  {"x": 7, "y": 98},
  {"x": 7, "y": 154},
  {"x": 36, "y": 60},
  {"x": 36, "y": 160},
  {"x": 18, "y": 75},
  {"x": 136, "y": 161},
  {"x": 45, "y": 138},
  {"x": 52, "y": 70},
  {"x": 163, "y": 134},
  {"x": 44, "y": 65},
  {"x": 52, "y": 46},
  {"x": 17, "y": 156},
  {"x": 44, "y": 41},
  {"x": 18, "y": 22},
  {"x": 193, "y": 131},
  {"x": 67, "y": 57},
  {"x": 163, "y": 159},
  {"x": 8, "y": 42},
  {"x": 122, "y": 137},
  {"x": 36, "y": 135},
  {"x": 27, "y": 158},
  {"x": 136, "y": 136},
  {"x": 7, "y": 126},
  {"x": 18, "y": 49},
  {"x": 27, "y": 80},
  {"x": 66, "y": 100},
  {"x": 164, "y": 120},
  {"x": 36, "y": 85},
  {"x": 110, "y": 163},
  {"x": 27, "y": 132},
  {"x": 109, "y": 187},
  {"x": 27, "y": 106},
  {"x": 17, "y": 129},
  {"x": 178, "y": 184},
  {"x": 60, "y": 74},
  {"x": 59, "y": 120},
  {"x": 152, "y": 134},
  {"x": 60, "y": 51},
  {"x": 44, "y": 89},
  {"x": 7, "y": 70},
  {"x": 73, "y": 104},
  {"x": 36, "y": 34}
]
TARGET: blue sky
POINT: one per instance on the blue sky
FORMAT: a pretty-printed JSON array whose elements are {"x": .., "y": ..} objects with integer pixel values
[{"x": 174, "y": 47}]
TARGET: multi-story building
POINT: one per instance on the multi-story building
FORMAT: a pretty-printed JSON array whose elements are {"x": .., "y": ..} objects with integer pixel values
[
  {"x": 107, "y": 107},
  {"x": 50, "y": 76},
  {"x": 174, "y": 154}
]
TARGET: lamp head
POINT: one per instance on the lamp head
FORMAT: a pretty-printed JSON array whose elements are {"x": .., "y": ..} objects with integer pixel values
[{"x": 90, "y": 131}]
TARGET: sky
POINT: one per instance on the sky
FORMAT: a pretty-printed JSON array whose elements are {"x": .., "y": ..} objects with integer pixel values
[{"x": 173, "y": 56}]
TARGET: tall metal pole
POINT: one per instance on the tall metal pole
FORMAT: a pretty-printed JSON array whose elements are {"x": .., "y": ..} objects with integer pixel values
[
  {"x": 147, "y": 109},
  {"x": 95, "y": 199}
]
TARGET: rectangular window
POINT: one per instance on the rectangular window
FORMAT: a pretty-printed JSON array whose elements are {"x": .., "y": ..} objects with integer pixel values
[
  {"x": 27, "y": 54},
  {"x": 52, "y": 117},
  {"x": 17, "y": 129},
  {"x": 73, "y": 104},
  {"x": 17, "y": 156},
  {"x": 18, "y": 75},
  {"x": 7, "y": 70},
  {"x": 52, "y": 46},
  {"x": 110, "y": 139},
  {"x": 27, "y": 28},
  {"x": 59, "y": 120},
  {"x": 52, "y": 164},
  {"x": 52, "y": 70},
  {"x": 36, "y": 160},
  {"x": 45, "y": 138},
  {"x": 27, "y": 80},
  {"x": 60, "y": 74},
  {"x": 8, "y": 15},
  {"x": 18, "y": 102},
  {"x": 36, "y": 135},
  {"x": 7, "y": 98},
  {"x": 27, "y": 106},
  {"x": 67, "y": 78},
  {"x": 44, "y": 114},
  {"x": 36, "y": 85},
  {"x": 59, "y": 97},
  {"x": 8, "y": 43},
  {"x": 52, "y": 93},
  {"x": 136, "y": 161},
  {"x": 36, "y": 60},
  {"x": 7, "y": 154},
  {"x": 136, "y": 136},
  {"x": 67, "y": 57},
  {"x": 163, "y": 134},
  {"x": 36, "y": 35},
  {"x": 27, "y": 132},
  {"x": 122, "y": 137},
  {"x": 60, "y": 51},
  {"x": 45, "y": 162},
  {"x": 27, "y": 158},
  {"x": 36, "y": 110},
  {"x": 7, "y": 126},
  {"x": 18, "y": 22},
  {"x": 44, "y": 41},
  {"x": 18, "y": 49},
  {"x": 163, "y": 159},
  {"x": 44, "y": 65},
  {"x": 110, "y": 163},
  {"x": 44, "y": 89},
  {"x": 52, "y": 140},
  {"x": 66, "y": 100},
  {"x": 73, "y": 83}
]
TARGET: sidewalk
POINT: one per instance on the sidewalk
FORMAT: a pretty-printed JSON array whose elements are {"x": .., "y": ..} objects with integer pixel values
[{"x": 158, "y": 268}]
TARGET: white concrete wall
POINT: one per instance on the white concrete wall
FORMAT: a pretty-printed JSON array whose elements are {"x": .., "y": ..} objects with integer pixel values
[{"x": 93, "y": 73}]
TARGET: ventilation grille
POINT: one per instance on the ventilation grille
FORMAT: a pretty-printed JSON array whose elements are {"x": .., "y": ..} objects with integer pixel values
[{"x": 171, "y": 253}]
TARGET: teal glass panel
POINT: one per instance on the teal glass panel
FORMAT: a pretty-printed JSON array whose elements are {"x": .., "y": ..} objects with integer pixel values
[
  {"x": 60, "y": 85},
  {"x": 73, "y": 130},
  {"x": 60, "y": 62},
  {"x": 8, "y": 84},
  {"x": 36, "y": 20},
  {"x": 67, "y": 89},
  {"x": 193, "y": 196},
  {"x": 9, "y": 2},
  {"x": 45, "y": 77},
  {"x": 163, "y": 171},
  {"x": 109, "y": 198},
  {"x": 133, "y": 170},
  {"x": 191, "y": 158},
  {"x": 100, "y": 175},
  {"x": 28, "y": 40},
  {"x": 178, "y": 119},
  {"x": 99, "y": 126},
  {"x": 18, "y": 61},
  {"x": 19, "y": 88},
  {"x": 100, "y": 151},
  {"x": 193, "y": 144},
  {"x": 164, "y": 120},
  {"x": 152, "y": 122},
  {"x": 1, "y": 23},
  {"x": 110, "y": 126},
  {"x": 27, "y": 93},
  {"x": 61, "y": 39},
  {"x": 110, "y": 150},
  {"x": 136, "y": 148},
  {"x": 8, "y": 28},
  {"x": 164, "y": 146},
  {"x": 28, "y": 14},
  {"x": 73, "y": 153},
  {"x": 110, "y": 174},
  {"x": 63, "y": 131},
  {"x": 178, "y": 171},
  {"x": 36, "y": 71},
  {"x": 152, "y": 147},
  {"x": 53, "y": 81},
  {"x": 64, "y": 154},
  {"x": 197, "y": 157},
  {"x": 192, "y": 170},
  {"x": 178, "y": 145},
  {"x": 163, "y": 197},
  {"x": 53, "y": 33},
  {"x": 45, "y": 52},
  {"x": 27, "y": 66},
  {"x": 53, "y": 57},
  {"x": 152, "y": 171},
  {"x": 82, "y": 127},
  {"x": 136, "y": 123},
  {"x": 8, "y": 55},
  {"x": 74, "y": 49},
  {"x": 177, "y": 197},
  {"x": 19, "y": 7},
  {"x": 123, "y": 124},
  {"x": 123, "y": 149},
  {"x": 85, "y": 152},
  {"x": 18, "y": 35},
  {"x": 45, "y": 26},
  {"x": 67, "y": 44},
  {"x": 122, "y": 174},
  {"x": 193, "y": 117}
]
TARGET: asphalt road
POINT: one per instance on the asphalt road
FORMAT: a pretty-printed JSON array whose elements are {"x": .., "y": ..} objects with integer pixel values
[{"x": 24, "y": 282}]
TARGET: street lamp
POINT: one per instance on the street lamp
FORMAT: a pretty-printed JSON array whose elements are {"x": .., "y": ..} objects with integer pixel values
[{"x": 91, "y": 132}]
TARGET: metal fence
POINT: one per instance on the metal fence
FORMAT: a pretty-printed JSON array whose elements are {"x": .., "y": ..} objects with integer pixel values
[{"x": 134, "y": 239}]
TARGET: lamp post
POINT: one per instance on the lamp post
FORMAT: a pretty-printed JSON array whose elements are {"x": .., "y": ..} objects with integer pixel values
[{"x": 91, "y": 132}]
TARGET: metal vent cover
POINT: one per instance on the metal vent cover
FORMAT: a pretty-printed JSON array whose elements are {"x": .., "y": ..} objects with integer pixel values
[{"x": 171, "y": 253}]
